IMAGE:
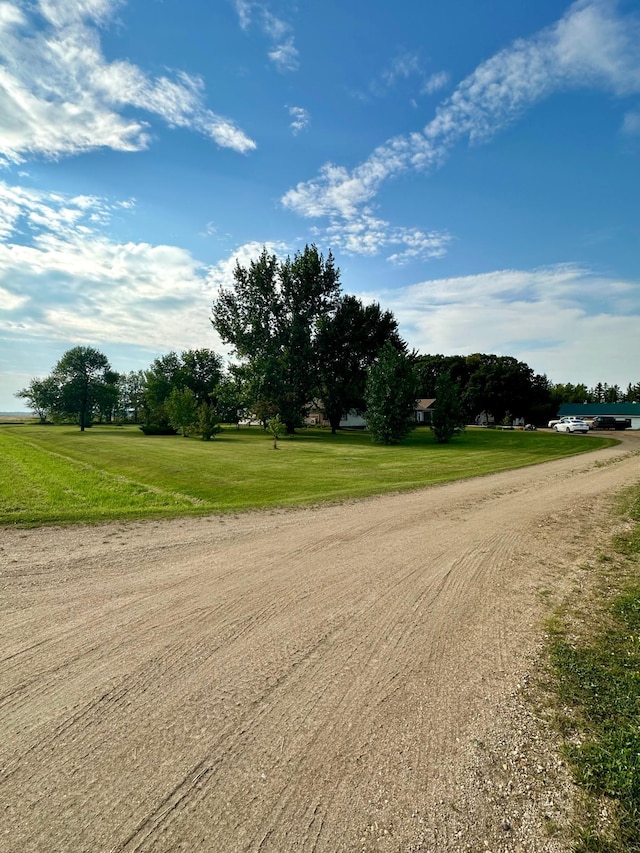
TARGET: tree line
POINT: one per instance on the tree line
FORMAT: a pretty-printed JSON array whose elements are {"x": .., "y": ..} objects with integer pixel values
[{"x": 297, "y": 341}]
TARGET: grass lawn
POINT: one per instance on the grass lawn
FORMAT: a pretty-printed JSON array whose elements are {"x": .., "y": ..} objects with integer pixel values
[
  {"x": 595, "y": 657},
  {"x": 57, "y": 474}
]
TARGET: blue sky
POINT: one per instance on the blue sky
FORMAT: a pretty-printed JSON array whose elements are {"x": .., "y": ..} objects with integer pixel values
[{"x": 473, "y": 167}]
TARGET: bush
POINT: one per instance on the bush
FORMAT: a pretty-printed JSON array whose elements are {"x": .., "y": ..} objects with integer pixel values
[{"x": 158, "y": 429}]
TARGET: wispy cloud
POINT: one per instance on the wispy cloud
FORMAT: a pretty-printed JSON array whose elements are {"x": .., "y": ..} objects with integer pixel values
[
  {"x": 402, "y": 67},
  {"x": 283, "y": 52},
  {"x": 591, "y": 46},
  {"x": 59, "y": 96},
  {"x": 631, "y": 124},
  {"x": 544, "y": 316},
  {"x": 406, "y": 66},
  {"x": 435, "y": 82},
  {"x": 300, "y": 119}
]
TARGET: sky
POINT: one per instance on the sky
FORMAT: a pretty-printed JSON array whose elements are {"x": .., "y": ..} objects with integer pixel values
[{"x": 473, "y": 167}]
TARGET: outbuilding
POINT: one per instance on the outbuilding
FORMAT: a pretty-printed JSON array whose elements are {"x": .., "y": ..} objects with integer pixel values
[{"x": 587, "y": 411}]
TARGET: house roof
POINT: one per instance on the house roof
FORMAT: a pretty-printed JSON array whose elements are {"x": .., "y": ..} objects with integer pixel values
[
  {"x": 622, "y": 410},
  {"x": 425, "y": 403}
]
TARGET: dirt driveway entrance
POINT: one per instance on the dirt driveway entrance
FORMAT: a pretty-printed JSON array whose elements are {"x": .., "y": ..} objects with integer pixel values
[{"x": 332, "y": 679}]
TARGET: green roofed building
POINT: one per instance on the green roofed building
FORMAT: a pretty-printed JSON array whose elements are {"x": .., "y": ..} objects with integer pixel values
[{"x": 613, "y": 410}]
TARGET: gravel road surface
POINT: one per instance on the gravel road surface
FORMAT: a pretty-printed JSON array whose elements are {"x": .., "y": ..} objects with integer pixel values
[{"x": 343, "y": 678}]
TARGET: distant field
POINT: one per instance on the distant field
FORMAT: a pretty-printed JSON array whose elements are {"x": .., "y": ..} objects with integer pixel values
[
  {"x": 54, "y": 474},
  {"x": 17, "y": 417}
]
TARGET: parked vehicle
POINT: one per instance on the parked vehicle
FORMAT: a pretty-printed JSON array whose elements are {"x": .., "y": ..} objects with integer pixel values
[
  {"x": 553, "y": 422},
  {"x": 609, "y": 422},
  {"x": 571, "y": 424}
]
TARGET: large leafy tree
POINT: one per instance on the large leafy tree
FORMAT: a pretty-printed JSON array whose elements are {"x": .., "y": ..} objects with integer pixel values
[
  {"x": 430, "y": 368},
  {"x": 41, "y": 396},
  {"x": 497, "y": 385},
  {"x": 82, "y": 375},
  {"x": 201, "y": 371},
  {"x": 270, "y": 316},
  {"x": 390, "y": 395},
  {"x": 347, "y": 343}
]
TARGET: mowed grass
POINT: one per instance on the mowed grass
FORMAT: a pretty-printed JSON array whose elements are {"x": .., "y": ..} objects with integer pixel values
[{"x": 57, "y": 474}]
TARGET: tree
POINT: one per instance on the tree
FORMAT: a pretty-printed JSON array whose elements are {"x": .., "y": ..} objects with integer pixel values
[
  {"x": 390, "y": 395},
  {"x": 202, "y": 371},
  {"x": 632, "y": 394},
  {"x": 347, "y": 342},
  {"x": 131, "y": 397},
  {"x": 270, "y": 316},
  {"x": 164, "y": 375},
  {"x": 231, "y": 400},
  {"x": 181, "y": 410},
  {"x": 276, "y": 430},
  {"x": 199, "y": 370},
  {"x": 207, "y": 424},
  {"x": 497, "y": 384},
  {"x": 81, "y": 375},
  {"x": 447, "y": 417},
  {"x": 41, "y": 396},
  {"x": 429, "y": 369},
  {"x": 108, "y": 397}
]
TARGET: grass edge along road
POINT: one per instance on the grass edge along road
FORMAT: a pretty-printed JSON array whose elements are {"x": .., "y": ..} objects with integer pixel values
[
  {"x": 594, "y": 655},
  {"x": 59, "y": 475}
]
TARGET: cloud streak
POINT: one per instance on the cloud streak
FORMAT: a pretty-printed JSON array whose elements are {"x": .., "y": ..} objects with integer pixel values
[
  {"x": 591, "y": 46},
  {"x": 283, "y": 52},
  {"x": 59, "y": 96}
]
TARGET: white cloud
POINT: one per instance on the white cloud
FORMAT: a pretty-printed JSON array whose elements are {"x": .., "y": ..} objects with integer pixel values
[
  {"x": 368, "y": 235},
  {"x": 300, "y": 119},
  {"x": 631, "y": 124},
  {"x": 61, "y": 13},
  {"x": 402, "y": 67},
  {"x": 590, "y": 46},
  {"x": 283, "y": 52},
  {"x": 435, "y": 82},
  {"x": 285, "y": 55},
  {"x": 10, "y": 301},
  {"x": 59, "y": 95},
  {"x": 221, "y": 274},
  {"x": 61, "y": 278},
  {"x": 564, "y": 320},
  {"x": 405, "y": 66},
  {"x": 244, "y": 10}
]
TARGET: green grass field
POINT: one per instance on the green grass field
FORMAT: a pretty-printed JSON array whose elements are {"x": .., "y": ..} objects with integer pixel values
[{"x": 57, "y": 474}]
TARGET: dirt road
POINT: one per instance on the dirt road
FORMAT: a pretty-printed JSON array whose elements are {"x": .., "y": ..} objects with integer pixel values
[{"x": 330, "y": 679}]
